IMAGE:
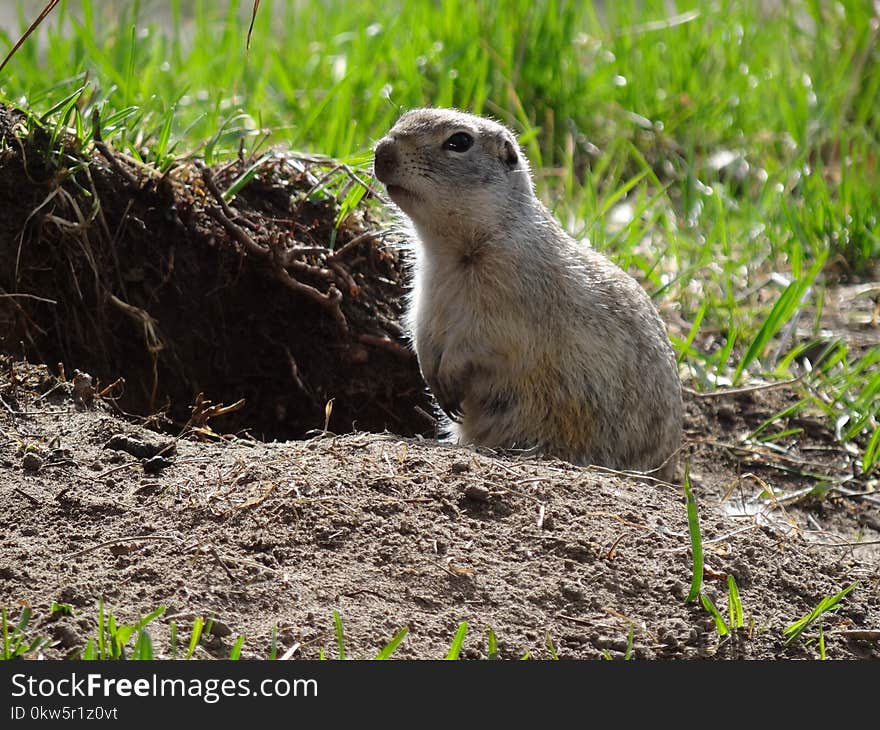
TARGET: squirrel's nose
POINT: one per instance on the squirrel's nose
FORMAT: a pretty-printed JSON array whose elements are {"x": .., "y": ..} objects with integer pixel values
[{"x": 386, "y": 160}]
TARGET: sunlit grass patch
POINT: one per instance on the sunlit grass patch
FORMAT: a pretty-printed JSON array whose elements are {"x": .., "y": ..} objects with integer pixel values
[
  {"x": 727, "y": 154},
  {"x": 15, "y": 641}
]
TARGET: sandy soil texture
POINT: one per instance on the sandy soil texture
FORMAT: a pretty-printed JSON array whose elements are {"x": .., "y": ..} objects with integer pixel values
[{"x": 394, "y": 532}]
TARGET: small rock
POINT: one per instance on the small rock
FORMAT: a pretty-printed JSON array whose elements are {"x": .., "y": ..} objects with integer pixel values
[
  {"x": 137, "y": 447},
  {"x": 571, "y": 591},
  {"x": 67, "y": 636},
  {"x": 581, "y": 552},
  {"x": 407, "y": 527},
  {"x": 60, "y": 454},
  {"x": 218, "y": 628},
  {"x": 31, "y": 461},
  {"x": 74, "y": 595},
  {"x": 857, "y": 613},
  {"x": 460, "y": 467},
  {"x": 610, "y": 642},
  {"x": 742, "y": 572},
  {"x": 83, "y": 388},
  {"x": 477, "y": 492},
  {"x": 124, "y": 548},
  {"x": 129, "y": 444},
  {"x": 156, "y": 464}
]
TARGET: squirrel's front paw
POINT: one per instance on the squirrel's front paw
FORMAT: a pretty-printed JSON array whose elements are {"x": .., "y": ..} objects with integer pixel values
[{"x": 449, "y": 393}]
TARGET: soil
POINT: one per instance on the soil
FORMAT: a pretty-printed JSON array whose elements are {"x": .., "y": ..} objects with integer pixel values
[
  {"x": 394, "y": 532},
  {"x": 381, "y": 523}
]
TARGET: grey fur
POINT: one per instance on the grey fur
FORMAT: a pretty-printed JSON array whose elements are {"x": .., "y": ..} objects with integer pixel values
[{"x": 527, "y": 338}]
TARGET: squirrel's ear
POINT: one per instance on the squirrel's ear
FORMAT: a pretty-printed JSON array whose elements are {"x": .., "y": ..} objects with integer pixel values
[{"x": 511, "y": 157}]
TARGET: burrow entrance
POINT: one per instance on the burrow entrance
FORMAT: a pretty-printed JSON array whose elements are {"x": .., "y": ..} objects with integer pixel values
[{"x": 116, "y": 269}]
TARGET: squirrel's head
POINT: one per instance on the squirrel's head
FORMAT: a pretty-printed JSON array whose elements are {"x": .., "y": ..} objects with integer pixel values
[{"x": 443, "y": 166}]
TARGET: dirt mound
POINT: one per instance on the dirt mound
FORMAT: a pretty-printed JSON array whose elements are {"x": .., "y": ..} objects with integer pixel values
[
  {"x": 271, "y": 538},
  {"x": 121, "y": 271}
]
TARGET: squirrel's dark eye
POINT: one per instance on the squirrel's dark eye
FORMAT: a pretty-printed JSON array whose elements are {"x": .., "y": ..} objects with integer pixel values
[{"x": 459, "y": 142}]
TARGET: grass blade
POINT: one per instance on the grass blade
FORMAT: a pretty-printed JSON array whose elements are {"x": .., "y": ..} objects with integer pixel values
[
  {"x": 829, "y": 603},
  {"x": 551, "y": 647},
  {"x": 786, "y": 307},
  {"x": 235, "y": 654},
  {"x": 149, "y": 617},
  {"x": 340, "y": 636},
  {"x": 392, "y": 645},
  {"x": 492, "y": 645},
  {"x": 685, "y": 347},
  {"x": 23, "y": 620},
  {"x": 90, "y": 653},
  {"x": 65, "y": 103},
  {"x": 243, "y": 179},
  {"x": 350, "y": 202},
  {"x": 872, "y": 452},
  {"x": 696, "y": 537},
  {"x": 455, "y": 648},
  {"x": 628, "y": 655},
  {"x": 119, "y": 637},
  {"x": 734, "y": 604},
  {"x": 720, "y": 626},
  {"x": 143, "y": 647},
  {"x": 198, "y": 625}
]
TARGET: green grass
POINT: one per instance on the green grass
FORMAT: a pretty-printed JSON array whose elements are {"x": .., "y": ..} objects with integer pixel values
[
  {"x": 826, "y": 605},
  {"x": 340, "y": 637},
  {"x": 455, "y": 647},
  {"x": 720, "y": 625},
  {"x": 14, "y": 640},
  {"x": 491, "y": 644},
  {"x": 388, "y": 650},
  {"x": 113, "y": 637},
  {"x": 195, "y": 636},
  {"x": 693, "y": 519},
  {"x": 627, "y": 114},
  {"x": 734, "y": 610},
  {"x": 458, "y": 641},
  {"x": 734, "y": 603}
]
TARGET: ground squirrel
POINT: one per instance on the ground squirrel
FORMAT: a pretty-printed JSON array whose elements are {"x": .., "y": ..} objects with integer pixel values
[{"x": 527, "y": 338}]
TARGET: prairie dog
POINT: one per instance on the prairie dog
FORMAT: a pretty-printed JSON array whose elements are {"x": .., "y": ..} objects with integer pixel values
[{"x": 527, "y": 338}]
